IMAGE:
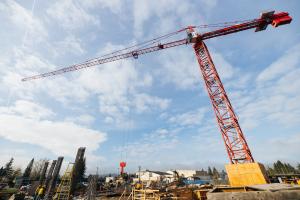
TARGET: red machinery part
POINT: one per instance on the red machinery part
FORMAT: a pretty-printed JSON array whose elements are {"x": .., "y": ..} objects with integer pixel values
[
  {"x": 122, "y": 166},
  {"x": 281, "y": 19}
]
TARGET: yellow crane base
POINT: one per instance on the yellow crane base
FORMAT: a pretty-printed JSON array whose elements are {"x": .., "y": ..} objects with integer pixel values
[{"x": 246, "y": 174}]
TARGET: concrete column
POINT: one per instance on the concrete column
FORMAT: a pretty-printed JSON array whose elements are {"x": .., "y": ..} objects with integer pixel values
[
  {"x": 49, "y": 175},
  {"x": 43, "y": 174},
  {"x": 53, "y": 180}
]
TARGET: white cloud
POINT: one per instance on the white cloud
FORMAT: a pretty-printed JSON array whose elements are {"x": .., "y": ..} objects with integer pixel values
[
  {"x": 180, "y": 67},
  {"x": 109, "y": 48},
  {"x": 59, "y": 137},
  {"x": 70, "y": 44},
  {"x": 153, "y": 144},
  {"x": 113, "y": 5},
  {"x": 59, "y": 89},
  {"x": 141, "y": 13},
  {"x": 84, "y": 119},
  {"x": 30, "y": 110},
  {"x": 24, "y": 20},
  {"x": 70, "y": 15},
  {"x": 209, "y": 4},
  {"x": 281, "y": 66},
  {"x": 224, "y": 68},
  {"x": 117, "y": 78},
  {"x": 171, "y": 16},
  {"x": 144, "y": 102},
  {"x": 118, "y": 86},
  {"x": 276, "y": 150},
  {"x": 272, "y": 100},
  {"x": 24, "y": 63},
  {"x": 191, "y": 118},
  {"x": 112, "y": 83},
  {"x": 64, "y": 90}
]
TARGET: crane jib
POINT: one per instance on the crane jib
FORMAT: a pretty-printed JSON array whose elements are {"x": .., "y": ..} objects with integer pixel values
[
  {"x": 94, "y": 62},
  {"x": 276, "y": 19}
]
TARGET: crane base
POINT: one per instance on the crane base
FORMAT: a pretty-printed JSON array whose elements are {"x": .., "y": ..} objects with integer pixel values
[{"x": 246, "y": 174}]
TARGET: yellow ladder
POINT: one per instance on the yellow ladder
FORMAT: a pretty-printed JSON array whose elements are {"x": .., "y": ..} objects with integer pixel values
[{"x": 63, "y": 191}]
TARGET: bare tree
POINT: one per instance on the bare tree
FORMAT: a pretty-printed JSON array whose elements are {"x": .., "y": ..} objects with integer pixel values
[{"x": 37, "y": 169}]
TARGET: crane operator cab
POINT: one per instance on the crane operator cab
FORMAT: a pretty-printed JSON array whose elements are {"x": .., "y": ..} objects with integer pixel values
[{"x": 191, "y": 34}]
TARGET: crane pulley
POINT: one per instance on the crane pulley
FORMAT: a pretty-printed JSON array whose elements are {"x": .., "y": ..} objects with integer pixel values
[{"x": 234, "y": 139}]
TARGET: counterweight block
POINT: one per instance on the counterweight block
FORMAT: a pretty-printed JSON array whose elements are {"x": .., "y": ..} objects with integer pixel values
[{"x": 244, "y": 174}]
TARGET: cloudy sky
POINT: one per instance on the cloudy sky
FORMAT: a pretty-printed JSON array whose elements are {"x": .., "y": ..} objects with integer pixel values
[{"x": 153, "y": 111}]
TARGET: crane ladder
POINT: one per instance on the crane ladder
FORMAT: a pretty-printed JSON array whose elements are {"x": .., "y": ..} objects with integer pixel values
[{"x": 63, "y": 191}]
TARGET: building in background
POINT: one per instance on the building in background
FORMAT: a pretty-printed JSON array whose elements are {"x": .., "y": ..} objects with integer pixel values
[{"x": 147, "y": 175}]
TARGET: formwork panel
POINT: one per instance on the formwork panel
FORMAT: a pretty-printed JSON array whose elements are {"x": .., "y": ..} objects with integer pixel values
[{"x": 246, "y": 174}]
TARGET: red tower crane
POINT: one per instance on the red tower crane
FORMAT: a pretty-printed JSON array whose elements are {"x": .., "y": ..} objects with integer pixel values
[{"x": 234, "y": 139}]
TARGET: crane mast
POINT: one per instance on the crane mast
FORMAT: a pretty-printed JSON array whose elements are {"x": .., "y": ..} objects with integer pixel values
[
  {"x": 234, "y": 139},
  {"x": 235, "y": 142}
]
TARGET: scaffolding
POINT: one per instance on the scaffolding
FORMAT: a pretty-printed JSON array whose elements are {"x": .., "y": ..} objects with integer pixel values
[{"x": 92, "y": 188}]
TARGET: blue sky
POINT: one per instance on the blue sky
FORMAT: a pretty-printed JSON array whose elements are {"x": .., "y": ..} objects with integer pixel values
[{"x": 153, "y": 111}]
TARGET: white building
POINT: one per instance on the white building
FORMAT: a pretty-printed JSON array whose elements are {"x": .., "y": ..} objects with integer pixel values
[
  {"x": 109, "y": 179},
  {"x": 148, "y": 175},
  {"x": 184, "y": 173},
  {"x": 170, "y": 176}
]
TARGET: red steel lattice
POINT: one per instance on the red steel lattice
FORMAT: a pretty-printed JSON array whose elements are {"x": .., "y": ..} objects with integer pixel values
[{"x": 235, "y": 142}]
